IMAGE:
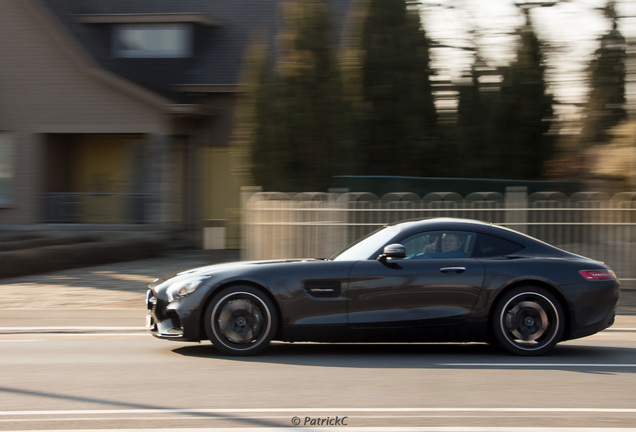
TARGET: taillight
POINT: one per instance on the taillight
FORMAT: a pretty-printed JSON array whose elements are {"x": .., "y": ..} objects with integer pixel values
[{"x": 596, "y": 275}]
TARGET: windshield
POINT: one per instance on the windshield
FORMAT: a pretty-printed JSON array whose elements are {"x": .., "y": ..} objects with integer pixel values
[{"x": 363, "y": 248}]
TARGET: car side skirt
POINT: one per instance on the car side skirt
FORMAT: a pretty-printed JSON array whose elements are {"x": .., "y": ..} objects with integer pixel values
[{"x": 465, "y": 331}]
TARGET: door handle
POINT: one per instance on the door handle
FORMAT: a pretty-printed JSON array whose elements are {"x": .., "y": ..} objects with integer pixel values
[{"x": 452, "y": 269}]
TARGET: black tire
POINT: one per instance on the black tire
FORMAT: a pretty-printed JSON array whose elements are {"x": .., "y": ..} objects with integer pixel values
[
  {"x": 240, "y": 320},
  {"x": 528, "y": 321}
]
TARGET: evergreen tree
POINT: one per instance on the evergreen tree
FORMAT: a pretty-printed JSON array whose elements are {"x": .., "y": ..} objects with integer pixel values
[
  {"x": 397, "y": 124},
  {"x": 478, "y": 137},
  {"x": 253, "y": 136},
  {"x": 300, "y": 133},
  {"x": 313, "y": 117},
  {"x": 526, "y": 113},
  {"x": 270, "y": 158},
  {"x": 606, "y": 102}
]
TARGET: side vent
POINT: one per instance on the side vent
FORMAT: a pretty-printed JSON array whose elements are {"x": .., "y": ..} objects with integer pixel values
[{"x": 322, "y": 288}]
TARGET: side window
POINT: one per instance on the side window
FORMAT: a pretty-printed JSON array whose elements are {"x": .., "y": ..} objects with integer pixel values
[
  {"x": 422, "y": 242},
  {"x": 439, "y": 244},
  {"x": 152, "y": 41},
  {"x": 491, "y": 246}
]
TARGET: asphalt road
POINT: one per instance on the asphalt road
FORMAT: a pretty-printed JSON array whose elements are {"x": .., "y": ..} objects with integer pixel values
[{"x": 74, "y": 356}]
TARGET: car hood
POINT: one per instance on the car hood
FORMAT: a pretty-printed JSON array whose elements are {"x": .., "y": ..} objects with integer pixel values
[{"x": 215, "y": 268}]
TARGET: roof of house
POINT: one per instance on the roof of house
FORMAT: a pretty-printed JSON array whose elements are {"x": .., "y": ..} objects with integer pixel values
[{"x": 224, "y": 30}]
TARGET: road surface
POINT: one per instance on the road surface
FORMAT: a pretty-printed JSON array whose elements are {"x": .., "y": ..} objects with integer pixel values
[{"x": 75, "y": 356}]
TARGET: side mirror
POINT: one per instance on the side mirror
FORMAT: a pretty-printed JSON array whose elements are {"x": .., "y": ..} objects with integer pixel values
[{"x": 395, "y": 250}]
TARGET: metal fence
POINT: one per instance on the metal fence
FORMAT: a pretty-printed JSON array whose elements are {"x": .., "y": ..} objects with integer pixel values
[{"x": 594, "y": 224}]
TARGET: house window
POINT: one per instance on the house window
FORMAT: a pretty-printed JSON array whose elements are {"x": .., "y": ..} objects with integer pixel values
[
  {"x": 152, "y": 40},
  {"x": 6, "y": 167}
]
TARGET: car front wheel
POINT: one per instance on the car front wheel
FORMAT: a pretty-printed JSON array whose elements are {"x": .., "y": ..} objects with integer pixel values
[
  {"x": 528, "y": 321},
  {"x": 240, "y": 320}
]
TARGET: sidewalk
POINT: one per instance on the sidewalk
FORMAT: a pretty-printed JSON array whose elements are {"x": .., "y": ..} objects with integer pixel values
[{"x": 109, "y": 286}]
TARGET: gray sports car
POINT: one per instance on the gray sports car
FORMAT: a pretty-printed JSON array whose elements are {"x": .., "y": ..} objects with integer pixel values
[{"x": 436, "y": 280}]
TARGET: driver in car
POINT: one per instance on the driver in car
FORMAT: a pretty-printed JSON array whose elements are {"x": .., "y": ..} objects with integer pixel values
[{"x": 451, "y": 248}]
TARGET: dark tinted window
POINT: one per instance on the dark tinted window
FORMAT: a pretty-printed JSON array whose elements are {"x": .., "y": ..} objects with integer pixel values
[
  {"x": 490, "y": 246},
  {"x": 429, "y": 244}
]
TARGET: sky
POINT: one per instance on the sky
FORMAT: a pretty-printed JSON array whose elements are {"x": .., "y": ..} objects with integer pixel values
[{"x": 571, "y": 27}]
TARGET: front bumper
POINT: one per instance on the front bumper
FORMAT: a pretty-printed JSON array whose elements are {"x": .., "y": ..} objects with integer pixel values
[{"x": 162, "y": 320}]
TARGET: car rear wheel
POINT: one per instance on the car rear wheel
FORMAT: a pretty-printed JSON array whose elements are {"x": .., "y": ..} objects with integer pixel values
[
  {"x": 528, "y": 321},
  {"x": 240, "y": 320}
]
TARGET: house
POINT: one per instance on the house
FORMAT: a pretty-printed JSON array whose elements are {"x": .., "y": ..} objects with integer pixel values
[{"x": 119, "y": 113}]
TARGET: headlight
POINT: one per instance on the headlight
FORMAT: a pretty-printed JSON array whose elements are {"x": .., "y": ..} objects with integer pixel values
[{"x": 182, "y": 288}]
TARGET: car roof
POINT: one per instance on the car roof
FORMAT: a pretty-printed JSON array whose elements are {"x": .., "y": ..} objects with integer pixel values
[
  {"x": 446, "y": 223},
  {"x": 533, "y": 246},
  {"x": 440, "y": 220}
]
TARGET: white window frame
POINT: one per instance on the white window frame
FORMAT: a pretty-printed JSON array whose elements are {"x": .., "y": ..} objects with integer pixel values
[
  {"x": 155, "y": 40},
  {"x": 7, "y": 167}
]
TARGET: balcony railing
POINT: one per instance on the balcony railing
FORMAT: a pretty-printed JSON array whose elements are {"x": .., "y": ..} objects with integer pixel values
[{"x": 101, "y": 208}]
